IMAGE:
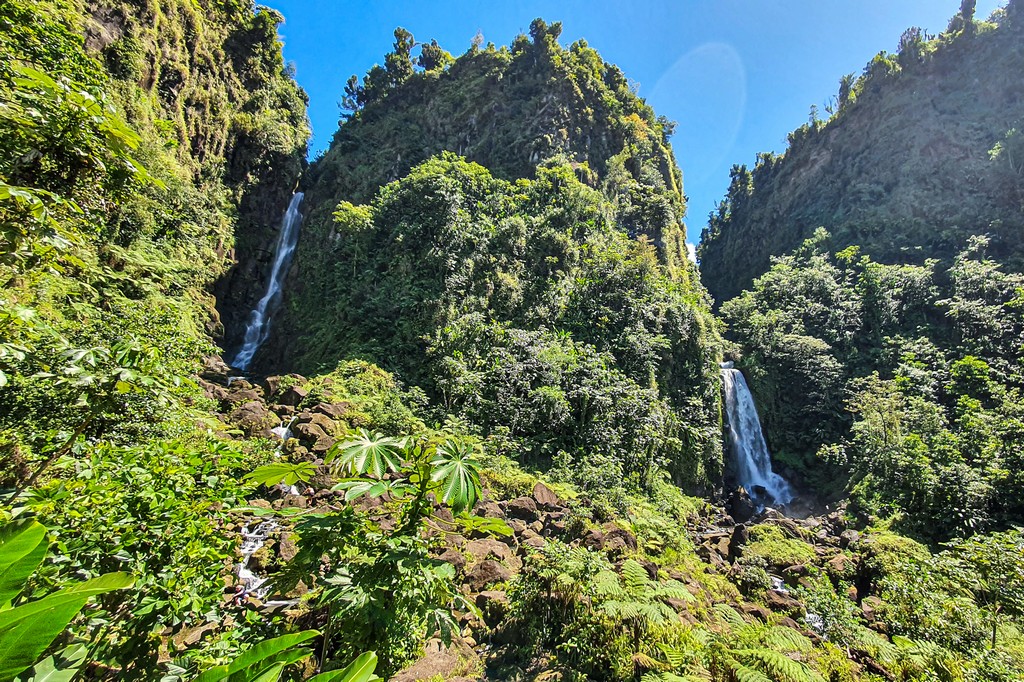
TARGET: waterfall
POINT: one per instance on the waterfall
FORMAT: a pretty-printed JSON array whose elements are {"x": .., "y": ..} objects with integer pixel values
[
  {"x": 750, "y": 452},
  {"x": 258, "y": 328}
]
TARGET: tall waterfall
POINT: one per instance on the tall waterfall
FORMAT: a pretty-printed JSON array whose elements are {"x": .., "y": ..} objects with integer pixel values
[
  {"x": 750, "y": 452},
  {"x": 258, "y": 328}
]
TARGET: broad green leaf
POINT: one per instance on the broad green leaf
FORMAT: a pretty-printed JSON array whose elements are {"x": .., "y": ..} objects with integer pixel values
[
  {"x": 22, "y": 548},
  {"x": 61, "y": 667},
  {"x": 271, "y": 674},
  {"x": 26, "y": 630},
  {"x": 458, "y": 473},
  {"x": 259, "y": 653},
  {"x": 359, "y": 670},
  {"x": 367, "y": 453},
  {"x": 282, "y": 472}
]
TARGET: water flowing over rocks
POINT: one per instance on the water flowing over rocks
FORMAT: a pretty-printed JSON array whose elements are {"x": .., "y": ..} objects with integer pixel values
[
  {"x": 258, "y": 327},
  {"x": 746, "y": 442}
]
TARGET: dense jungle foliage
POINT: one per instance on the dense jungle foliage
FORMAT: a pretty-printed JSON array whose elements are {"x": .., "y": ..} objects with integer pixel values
[
  {"x": 921, "y": 151},
  {"x": 164, "y": 518},
  {"x": 905, "y": 379},
  {"x": 525, "y": 309},
  {"x": 509, "y": 109}
]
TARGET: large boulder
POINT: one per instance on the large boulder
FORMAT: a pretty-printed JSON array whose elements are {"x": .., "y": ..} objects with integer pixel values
[
  {"x": 485, "y": 574},
  {"x": 493, "y": 605},
  {"x": 741, "y": 508},
  {"x": 522, "y": 508},
  {"x": 545, "y": 498},
  {"x": 253, "y": 418}
]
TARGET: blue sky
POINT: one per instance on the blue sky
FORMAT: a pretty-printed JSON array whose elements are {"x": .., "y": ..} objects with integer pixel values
[{"x": 737, "y": 75}]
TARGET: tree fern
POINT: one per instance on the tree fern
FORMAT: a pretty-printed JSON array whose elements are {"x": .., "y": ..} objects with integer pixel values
[{"x": 778, "y": 667}]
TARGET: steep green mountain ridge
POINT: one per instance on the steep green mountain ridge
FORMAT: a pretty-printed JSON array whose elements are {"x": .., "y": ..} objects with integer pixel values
[
  {"x": 542, "y": 292},
  {"x": 924, "y": 150}
]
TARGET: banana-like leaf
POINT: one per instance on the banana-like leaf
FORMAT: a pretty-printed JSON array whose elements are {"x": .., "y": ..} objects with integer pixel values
[
  {"x": 61, "y": 667},
  {"x": 22, "y": 548},
  {"x": 261, "y": 653},
  {"x": 359, "y": 670},
  {"x": 26, "y": 630}
]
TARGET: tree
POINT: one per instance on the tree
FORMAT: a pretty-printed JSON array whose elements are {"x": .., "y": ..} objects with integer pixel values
[
  {"x": 354, "y": 97},
  {"x": 398, "y": 64},
  {"x": 433, "y": 57}
]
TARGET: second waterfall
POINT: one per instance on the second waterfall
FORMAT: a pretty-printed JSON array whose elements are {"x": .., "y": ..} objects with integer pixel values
[
  {"x": 749, "y": 450},
  {"x": 258, "y": 327}
]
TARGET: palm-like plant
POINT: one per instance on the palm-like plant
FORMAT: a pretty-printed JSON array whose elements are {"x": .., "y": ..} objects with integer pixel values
[{"x": 416, "y": 467}]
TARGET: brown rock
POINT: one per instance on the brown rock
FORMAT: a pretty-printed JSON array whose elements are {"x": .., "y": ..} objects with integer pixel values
[
  {"x": 486, "y": 573},
  {"x": 848, "y": 537},
  {"x": 313, "y": 435},
  {"x": 740, "y": 537},
  {"x": 455, "y": 558},
  {"x": 677, "y": 605},
  {"x": 489, "y": 510},
  {"x": 783, "y": 603},
  {"x": 871, "y": 606},
  {"x": 215, "y": 368},
  {"x": 840, "y": 566},
  {"x": 612, "y": 531},
  {"x": 440, "y": 662},
  {"x": 522, "y": 508},
  {"x": 335, "y": 411},
  {"x": 756, "y": 610},
  {"x": 740, "y": 506},
  {"x": 286, "y": 549},
  {"x": 594, "y": 539},
  {"x": 488, "y": 548},
  {"x": 270, "y": 385},
  {"x": 545, "y": 498},
  {"x": 493, "y": 604},
  {"x": 293, "y": 395},
  {"x": 253, "y": 418},
  {"x": 531, "y": 541},
  {"x": 295, "y": 501},
  {"x": 792, "y": 574},
  {"x": 213, "y": 391}
]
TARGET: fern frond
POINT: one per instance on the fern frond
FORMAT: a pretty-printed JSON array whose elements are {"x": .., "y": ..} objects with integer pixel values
[
  {"x": 634, "y": 576},
  {"x": 624, "y": 610},
  {"x": 642, "y": 660},
  {"x": 606, "y": 583},
  {"x": 673, "y": 589},
  {"x": 785, "y": 639},
  {"x": 728, "y": 615},
  {"x": 742, "y": 673},
  {"x": 778, "y": 667}
]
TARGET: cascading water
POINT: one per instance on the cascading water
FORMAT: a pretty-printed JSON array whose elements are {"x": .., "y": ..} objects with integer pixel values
[
  {"x": 750, "y": 452},
  {"x": 258, "y": 327}
]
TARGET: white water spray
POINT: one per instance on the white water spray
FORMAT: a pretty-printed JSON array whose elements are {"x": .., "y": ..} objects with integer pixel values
[
  {"x": 258, "y": 328},
  {"x": 750, "y": 452}
]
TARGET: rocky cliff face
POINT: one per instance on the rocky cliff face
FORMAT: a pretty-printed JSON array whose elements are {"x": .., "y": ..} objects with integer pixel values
[
  {"x": 211, "y": 78},
  {"x": 924, "y": 150}
]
